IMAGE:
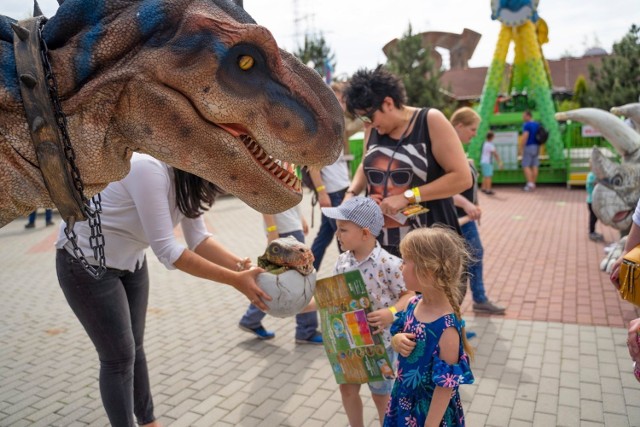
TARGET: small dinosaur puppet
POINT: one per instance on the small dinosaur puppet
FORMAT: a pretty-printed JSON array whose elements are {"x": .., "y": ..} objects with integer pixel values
[
  {"x": 195, "y": 83},
  {"x": 285, "y": 254}
]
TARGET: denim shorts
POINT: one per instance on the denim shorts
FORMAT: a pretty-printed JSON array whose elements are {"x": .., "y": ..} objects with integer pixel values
[
  {"x": 384, "y": 387},
  {"x": 487, "y": 169},
  {"x": 530, "y": 156}
]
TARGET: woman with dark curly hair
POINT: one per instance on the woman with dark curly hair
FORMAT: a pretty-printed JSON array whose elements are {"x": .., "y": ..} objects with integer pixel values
[
  {"x": 137, "y": 212},
  {"x": 413, "y": 156}
]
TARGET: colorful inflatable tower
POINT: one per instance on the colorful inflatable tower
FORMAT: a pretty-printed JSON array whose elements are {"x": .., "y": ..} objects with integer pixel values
[{"x": 530, "y": 73}]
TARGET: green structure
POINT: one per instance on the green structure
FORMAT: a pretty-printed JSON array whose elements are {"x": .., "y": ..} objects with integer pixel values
[{"x": 529, "y": 79}]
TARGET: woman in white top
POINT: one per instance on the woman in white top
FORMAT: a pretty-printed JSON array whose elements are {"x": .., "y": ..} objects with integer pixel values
[{"x": 137, "y": 212}]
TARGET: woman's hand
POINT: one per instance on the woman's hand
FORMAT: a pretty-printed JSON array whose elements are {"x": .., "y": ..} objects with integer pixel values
[
  {"x": 380, "y": 319},
  {"x": 323, "y": 199},
  {"x": 391, "y": 205},
  {"x": 473, "y": 211},
  {"x": 615, "y": 273},
  {"x": 632, "y": 340},
  {"x": 246, "y": 283},
  {"x": 403, "y": 343}
]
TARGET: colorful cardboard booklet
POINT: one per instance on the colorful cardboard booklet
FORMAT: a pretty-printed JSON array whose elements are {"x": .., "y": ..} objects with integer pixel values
[{"x": 357, "y": 356}]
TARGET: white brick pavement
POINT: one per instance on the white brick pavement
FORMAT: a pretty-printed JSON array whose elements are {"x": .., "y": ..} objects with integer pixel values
[{"x": 206, "y": 372}]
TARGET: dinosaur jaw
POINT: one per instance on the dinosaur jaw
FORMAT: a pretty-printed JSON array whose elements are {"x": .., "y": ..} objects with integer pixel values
[
  {"x": 266, "y": 161},
  {"x": 621, "y": 216}
]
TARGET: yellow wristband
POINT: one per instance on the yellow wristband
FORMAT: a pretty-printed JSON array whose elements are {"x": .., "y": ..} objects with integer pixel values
[
  {"x": 320, "y": 188},
  {"x": 416, "y": 194},
  {"x": 393, "y": 309},
  {"x": 272, "y": 228}
]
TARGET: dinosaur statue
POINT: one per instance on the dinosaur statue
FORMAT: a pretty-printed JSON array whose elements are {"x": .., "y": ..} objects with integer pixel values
[
  {"x": 618, "y": 189},
  {"x": 631, "y": 112},
  {"x": 195, "y": 83},
  {"x": 618, "y": 184}
]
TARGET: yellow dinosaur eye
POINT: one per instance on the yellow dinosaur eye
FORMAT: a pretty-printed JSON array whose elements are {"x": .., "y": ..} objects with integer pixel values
[{"x": 245, "y": 62}]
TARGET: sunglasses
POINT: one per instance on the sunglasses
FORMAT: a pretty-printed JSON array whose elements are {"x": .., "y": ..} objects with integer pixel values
[
  {"x": 399, "y": 177},
  {"x": 367, "y": 117}
]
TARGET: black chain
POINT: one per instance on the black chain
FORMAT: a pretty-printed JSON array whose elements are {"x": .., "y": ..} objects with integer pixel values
[{"x": 96, "y": 241}]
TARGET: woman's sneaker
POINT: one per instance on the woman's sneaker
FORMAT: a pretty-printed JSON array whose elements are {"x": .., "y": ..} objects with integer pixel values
[{"x": 488, "y": 307}]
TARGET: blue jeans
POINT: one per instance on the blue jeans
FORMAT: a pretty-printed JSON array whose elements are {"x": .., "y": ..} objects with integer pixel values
[
  {"x": 306, "y": 323},
  {"x": 474, "y": 270},
  {"x": 326, "y": 231},
  {"x": 113, "y": 311},
  {"x": 48, "y": 214}
]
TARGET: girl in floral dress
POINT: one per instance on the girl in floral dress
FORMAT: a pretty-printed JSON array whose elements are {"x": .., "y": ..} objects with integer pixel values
[{"x": 429, "y": 335}]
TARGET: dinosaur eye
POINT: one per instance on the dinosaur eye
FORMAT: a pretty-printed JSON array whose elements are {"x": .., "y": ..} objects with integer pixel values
[
  {"x": 245, "y": 62},
  {"x": 275, "y": 249},
  {"x": 616, "y": 180}
]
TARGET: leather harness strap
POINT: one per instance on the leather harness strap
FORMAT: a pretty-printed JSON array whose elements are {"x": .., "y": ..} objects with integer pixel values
[{"x": 42, "y": 123}]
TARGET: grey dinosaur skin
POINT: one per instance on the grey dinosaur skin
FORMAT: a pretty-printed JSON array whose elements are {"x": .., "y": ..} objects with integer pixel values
[
  {"x": 164, "y": 77},
  {"x": 618, "y": 189}
]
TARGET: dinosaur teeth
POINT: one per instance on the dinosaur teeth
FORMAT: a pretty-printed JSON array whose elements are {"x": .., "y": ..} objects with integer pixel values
[
  {"x": 292, "y": 181},
  {"x": 271, "y": 164}
]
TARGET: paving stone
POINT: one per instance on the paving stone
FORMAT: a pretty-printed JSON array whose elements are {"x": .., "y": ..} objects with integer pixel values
[
  {"x": 475, "y": 419},
  {"x": 498, "y": 416},
  {"x": 546, "y": 403},
  {"x": 568, "y": 416},
  {"x": 543, "y": 419},
  {"x": 591, "y": 410},
  {"x": 614, "y": 403},
  {"x": 569, "y": 397},
  {"x": 523, "y": 410}
]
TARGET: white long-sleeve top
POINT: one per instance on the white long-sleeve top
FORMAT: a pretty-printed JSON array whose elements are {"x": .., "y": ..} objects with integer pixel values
[{"x": 137, "y": 212}]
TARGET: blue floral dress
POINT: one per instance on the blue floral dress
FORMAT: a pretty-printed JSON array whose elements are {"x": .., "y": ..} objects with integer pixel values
[{"x": 422, "y": 371}]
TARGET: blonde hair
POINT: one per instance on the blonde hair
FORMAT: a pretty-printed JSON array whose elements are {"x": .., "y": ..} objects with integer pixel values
[
  {"x": 465, "y": 116},
  {"x": 442, "y": 254}
]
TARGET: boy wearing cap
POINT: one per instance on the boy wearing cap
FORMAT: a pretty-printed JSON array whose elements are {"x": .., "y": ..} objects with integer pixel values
[{"x": 359, "y": 221}]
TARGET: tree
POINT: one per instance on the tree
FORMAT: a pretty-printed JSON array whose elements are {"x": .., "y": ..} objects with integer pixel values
[
  {"x": 580, "y": 92},
  {"x": 316, "y": 53},
  {"x": 616, "y": 81},
  {"x": 412, "y": 63}
]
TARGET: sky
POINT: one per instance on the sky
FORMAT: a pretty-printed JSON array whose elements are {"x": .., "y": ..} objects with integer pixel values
[{"x": 356, "y": 30}]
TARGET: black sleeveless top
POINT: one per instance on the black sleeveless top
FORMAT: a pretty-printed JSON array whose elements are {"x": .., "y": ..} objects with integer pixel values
[{"x": 401, "y": 167}]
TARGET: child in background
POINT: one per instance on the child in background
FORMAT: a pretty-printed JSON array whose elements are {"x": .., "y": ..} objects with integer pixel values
[
  {"x": 359, "y": 221},
  {"x": 489, "y": 152},
  {"x": 430, "y": 335},
  {"x": 591, "y": 182}
]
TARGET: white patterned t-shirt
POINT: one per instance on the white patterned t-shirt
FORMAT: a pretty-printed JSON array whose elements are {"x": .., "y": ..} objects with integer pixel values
[{"x": 382, "y": 276}]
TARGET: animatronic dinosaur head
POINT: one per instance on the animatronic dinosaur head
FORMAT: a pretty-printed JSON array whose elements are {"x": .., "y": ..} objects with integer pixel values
[
  {"x": 618, "y": 189},
  {"x": 195, "y": 83}
]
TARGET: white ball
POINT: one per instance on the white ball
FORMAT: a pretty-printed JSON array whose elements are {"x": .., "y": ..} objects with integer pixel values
[{"x": 290, "y": 291}]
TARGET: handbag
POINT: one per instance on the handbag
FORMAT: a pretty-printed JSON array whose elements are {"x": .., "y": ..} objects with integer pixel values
[{"x": 629, "y": 276}]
